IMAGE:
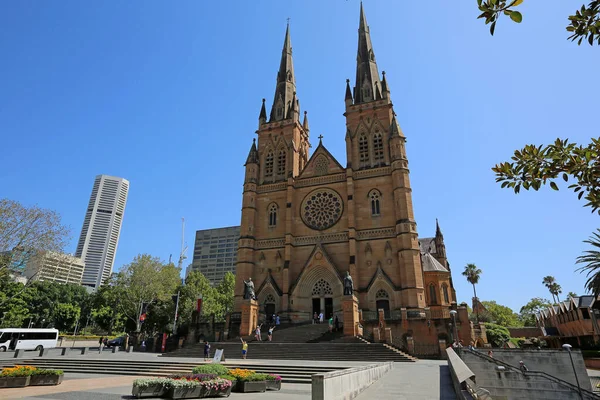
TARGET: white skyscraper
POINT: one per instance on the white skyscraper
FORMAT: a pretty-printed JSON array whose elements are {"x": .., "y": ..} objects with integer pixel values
[{"x": 101, "y": 229}]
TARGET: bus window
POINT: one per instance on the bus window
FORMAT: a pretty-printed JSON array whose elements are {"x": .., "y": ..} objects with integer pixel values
[{"x": 5, "y": 336}]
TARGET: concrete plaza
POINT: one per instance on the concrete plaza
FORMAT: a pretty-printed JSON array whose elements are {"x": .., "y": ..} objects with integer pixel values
[{"x": 421, "y": 380}]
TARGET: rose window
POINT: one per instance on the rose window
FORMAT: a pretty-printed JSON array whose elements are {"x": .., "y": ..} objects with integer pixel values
[{"x": 321, "y": 209}]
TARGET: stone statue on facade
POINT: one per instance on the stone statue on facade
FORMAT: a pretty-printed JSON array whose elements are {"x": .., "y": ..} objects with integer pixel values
[
  {"x": 348, "y": 284},
  {"x": 249, "y": 290}
]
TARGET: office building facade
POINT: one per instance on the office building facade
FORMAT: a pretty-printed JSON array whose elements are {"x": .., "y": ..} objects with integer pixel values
[
  {"x": 101, "y": 228},
  {"x": 55, "y": 267},
  {"x": 215, "y": 252}
]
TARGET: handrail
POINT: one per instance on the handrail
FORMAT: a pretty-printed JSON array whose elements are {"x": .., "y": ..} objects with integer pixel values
[{"x": 540, "y": 373}]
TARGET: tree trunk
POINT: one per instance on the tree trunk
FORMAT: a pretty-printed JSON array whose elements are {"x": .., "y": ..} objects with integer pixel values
[{"x": 476, "y": 308}]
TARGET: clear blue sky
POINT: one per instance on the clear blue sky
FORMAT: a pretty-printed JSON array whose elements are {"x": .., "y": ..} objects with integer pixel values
[{"x": 167, "y": 95}]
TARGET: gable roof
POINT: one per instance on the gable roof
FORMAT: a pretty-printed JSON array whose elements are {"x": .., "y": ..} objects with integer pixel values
[
  {"x": 427, "y": 245},
  {"x": 318, "y": 248},
  {"x": 309, "y": 168},
  {"x": 430, "y": 264},
  {"x": 380, "y": 273}
]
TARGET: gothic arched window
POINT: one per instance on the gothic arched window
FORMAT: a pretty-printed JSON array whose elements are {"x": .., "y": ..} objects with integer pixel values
[
  {"x": 378, "y": 147},
  {"x": 270, "y": 299},
  {"x": 269, "y": 165},
  {"x": 375, "y": 198},
  {"x": 322, "y": 288},
  {"x": 281, "y": 162},
  {"x": 273, "y": 214},
  {"x": 432, "y": 294},
  {"x": 445, "y": 292},
  {"x": 363, "y": 150}
]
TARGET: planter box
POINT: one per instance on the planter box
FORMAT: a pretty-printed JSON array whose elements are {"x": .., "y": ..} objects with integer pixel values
[
  {"x": 250, "y": 387},
  {"x": 273, "y": 385},
  {"x": 151, "y": 391},
  {"x": 45, "y": 380},
  {"x": 219, "y": 393},
  {"x": 186, "y": 393},
  {"x": 14, "y": 381}
]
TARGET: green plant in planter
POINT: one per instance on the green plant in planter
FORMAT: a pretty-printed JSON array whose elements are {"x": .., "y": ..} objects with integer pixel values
[
  {"x": 149, "y": 386},
  {"x": 257, "y": 377},
  {"x": 144, "y": 383},
  {"x": 229, "y": 378},
  {"x": 46, "y": 377},
  {"x": 216, "y": 369},
  {"x": 40, "y": 371}
]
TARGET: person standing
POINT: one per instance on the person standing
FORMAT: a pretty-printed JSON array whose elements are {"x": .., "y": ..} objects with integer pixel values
[
  {"x": 270, "y": 335},
  {"x": 257, "y": 333},
  {"x": 244, "y": 348},
  {"x": 206, "y": 350},
  {"x": 277, "y": 320},
  {"x": 523, "y": 367},
  {"x": 321, "y": 317},
  {"x": 315, "y": 318},
  {"x": 330, "y": 324},
  {"x": 100, "y": 344},
  {"x": 337, "y": 323}
]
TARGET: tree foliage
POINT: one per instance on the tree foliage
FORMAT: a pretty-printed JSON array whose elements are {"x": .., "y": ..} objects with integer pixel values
[
  {"x": 24, "y": 231},
  {"x": 502, "y": 315},
  {"x": 533, "y": 307},
  {"x": 146, "y": 280},
  {"x": 534, "y": 166},
  {"x": 591, "y": 264},
  {"x": 497, "y": 335},
  {"x": 584, "y": 24}
]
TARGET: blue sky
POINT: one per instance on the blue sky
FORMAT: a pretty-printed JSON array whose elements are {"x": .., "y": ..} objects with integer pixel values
[{"x": 167, "y": 95}]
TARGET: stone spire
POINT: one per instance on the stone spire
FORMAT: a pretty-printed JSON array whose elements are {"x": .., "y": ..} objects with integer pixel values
[
  {"x": 438, "y": 231},
  {"x": 253, "y": 154},
  {"x": 305, "y": 122},
  {"x": 262, "y": 118},
  {"x": 348, "y": 97},
  {"x": 368, "y": 86},
  {"x": 283, "y": 103}
]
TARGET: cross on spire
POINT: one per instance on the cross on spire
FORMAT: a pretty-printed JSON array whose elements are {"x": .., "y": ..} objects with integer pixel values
[{"x": 320, "y": 138}]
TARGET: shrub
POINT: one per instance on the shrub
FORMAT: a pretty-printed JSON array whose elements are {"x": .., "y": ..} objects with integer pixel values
[
  {"x": 229, "y": 378},
  {"x": 147, "y": 382},
  {"x": 39, "y": 371},
  {"x": 259, "y": 377},
  {"x": 496, "y": 334},
  {"x": 216, "y": 369},
  {"x": 273, "y": 377},
  {"x": 18, "y": 370},
  {"x": 194, "y": 377}
]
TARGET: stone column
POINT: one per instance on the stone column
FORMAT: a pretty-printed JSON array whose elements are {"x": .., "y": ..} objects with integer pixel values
[
  {"x": 350, "y": 310},
  {"x": 249, "y": 317}
]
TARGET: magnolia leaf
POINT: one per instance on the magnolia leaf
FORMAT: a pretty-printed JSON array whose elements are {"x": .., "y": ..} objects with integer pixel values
[
  {"x": 553, "y": 186},
  {"x": 516, "y": 16},
  {"x": 516, "y": 3}
]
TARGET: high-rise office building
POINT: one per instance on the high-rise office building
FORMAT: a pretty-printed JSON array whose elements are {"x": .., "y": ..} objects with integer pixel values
[
  {"x": 215, "y": 252},
  {"x": 101, "y": 228}
]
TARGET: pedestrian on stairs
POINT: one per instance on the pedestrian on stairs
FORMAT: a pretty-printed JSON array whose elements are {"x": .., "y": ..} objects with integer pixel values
[
  {"x": 277, "y": 320},
  {"x": 315, "y": 318},
  {"x": 523, "y": 367},
  {"x": 270, "y": 335},
  {"x": 321, "y": 317},
  {"x": 257, "y": 335},
  {"x": 337, "y": 323},
  {"x": 206, "y": 350},
  {"x": 244, "y": 348}
]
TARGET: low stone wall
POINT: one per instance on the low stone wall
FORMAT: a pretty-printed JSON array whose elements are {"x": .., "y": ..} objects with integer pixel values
[
  {"x": 346, "y": 384},
  {"x": 592, "y": 363}
]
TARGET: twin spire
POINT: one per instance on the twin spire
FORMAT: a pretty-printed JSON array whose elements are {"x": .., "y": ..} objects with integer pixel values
[{"x": 368, "y": 87}]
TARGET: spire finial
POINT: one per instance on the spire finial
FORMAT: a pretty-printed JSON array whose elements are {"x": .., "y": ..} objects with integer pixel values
[
  {"x": 286, "y": 82},
  {"x": 320, "y": 138},
  {"x": 367, "y": 76}
]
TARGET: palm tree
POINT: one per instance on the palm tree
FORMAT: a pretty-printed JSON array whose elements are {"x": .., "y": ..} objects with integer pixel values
[
  {"x": 571, "y": 294},
  {"x": 548, "y": 282},
  {"x": 555, "y": 289},
  {"x": 591, "y": 259},
  {"x": 473, "y": 273}
]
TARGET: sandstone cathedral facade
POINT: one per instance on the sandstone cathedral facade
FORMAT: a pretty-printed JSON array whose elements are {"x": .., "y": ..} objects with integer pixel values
[{"x": 307, "y": 219}]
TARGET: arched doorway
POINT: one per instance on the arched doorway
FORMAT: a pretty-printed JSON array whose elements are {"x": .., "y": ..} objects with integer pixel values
[
  {"x": 269, "y": 306},
  {"x": 322, "y": 298},
  {"x": 382, "y": 301}
]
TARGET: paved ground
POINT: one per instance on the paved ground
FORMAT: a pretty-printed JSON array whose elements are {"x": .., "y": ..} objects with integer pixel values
[{"x": 422, "y": 380}]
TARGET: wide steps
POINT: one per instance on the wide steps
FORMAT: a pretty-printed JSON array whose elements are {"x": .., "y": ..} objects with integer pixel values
[{"x": 289, "y": 374}]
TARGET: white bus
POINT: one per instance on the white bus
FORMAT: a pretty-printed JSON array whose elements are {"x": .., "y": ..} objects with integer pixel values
[{"x": 27, "y": 339}]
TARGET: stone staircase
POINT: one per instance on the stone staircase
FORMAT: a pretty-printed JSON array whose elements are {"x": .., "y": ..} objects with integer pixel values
[{"x": 289, "y": 374}]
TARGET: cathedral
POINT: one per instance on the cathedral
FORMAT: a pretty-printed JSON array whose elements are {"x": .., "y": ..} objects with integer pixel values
[{"x": 307, "y": 219}]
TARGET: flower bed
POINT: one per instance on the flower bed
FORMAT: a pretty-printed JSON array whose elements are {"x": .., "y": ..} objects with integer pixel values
[
  {"x": 182, "y": 387},
  {"x": 153, "y": 387},
  {"x": 24, "y": 375},
  {"x": 248, "y": 381}
]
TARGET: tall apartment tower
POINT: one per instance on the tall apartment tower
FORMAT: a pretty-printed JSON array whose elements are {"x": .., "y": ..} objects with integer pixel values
[{"x": 101, "y": 229}]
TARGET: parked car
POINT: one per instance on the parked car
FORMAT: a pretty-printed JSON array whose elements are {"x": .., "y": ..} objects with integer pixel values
[{"x": 116, "y": 342}]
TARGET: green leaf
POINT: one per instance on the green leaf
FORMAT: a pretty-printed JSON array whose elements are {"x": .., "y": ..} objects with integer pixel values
[
  {"x": 516, "y": 3},
  {"x": 516, "y": 16},
  {"x": 565, "y": 177},
  {"x": 493, "y": 28},
  {"x": 553, "y": 186}
]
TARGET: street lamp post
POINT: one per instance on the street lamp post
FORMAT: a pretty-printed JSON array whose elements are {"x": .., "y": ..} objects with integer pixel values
[
  {"x": 453, "y": 313},
  {"x": 567, "y": 347}
]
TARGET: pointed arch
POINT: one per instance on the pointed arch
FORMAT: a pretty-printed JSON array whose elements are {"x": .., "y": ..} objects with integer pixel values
[
  {"x": 273, "y": 210},
  {"x": 375, "y": 200},
  {"x": 378, "y": 154},
  {"x": 269, "y": 161},
  {"x": 432, "y": 292},
  {"x": 445, "y": 294}
]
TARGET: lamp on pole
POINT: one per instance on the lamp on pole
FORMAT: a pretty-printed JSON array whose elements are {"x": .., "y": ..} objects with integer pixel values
[
  {"x": 453, "y": 314},
  {"x": 567, "y": 347}
]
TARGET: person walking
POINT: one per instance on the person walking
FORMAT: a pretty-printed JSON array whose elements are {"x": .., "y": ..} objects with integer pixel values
[
  {"x": 490, "y": 354},
  {"x": 100, "y": 344},
  {"x": 244, "y": 348},
  {"x": 523, "y": 367},
  {"x": 206, "y": 350},
  {"x": 315, "y": 318},
  {"x": 337, "y": 323},
  {"x": 270, "y": 335},
  {"x": 330, "y": 324}
]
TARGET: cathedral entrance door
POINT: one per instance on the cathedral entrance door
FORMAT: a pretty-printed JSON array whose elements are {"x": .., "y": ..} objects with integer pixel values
[
  {"x": 269, "y": 310},
  {"x": 316, "y": 306},
  {"x": 328, "y": 307}
]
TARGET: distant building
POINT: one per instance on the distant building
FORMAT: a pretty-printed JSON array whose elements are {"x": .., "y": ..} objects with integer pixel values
[
  {"x": 55, "y": 267},
  {"x": 101, "y": 228},
  {"x": 215, "y": 252}
]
